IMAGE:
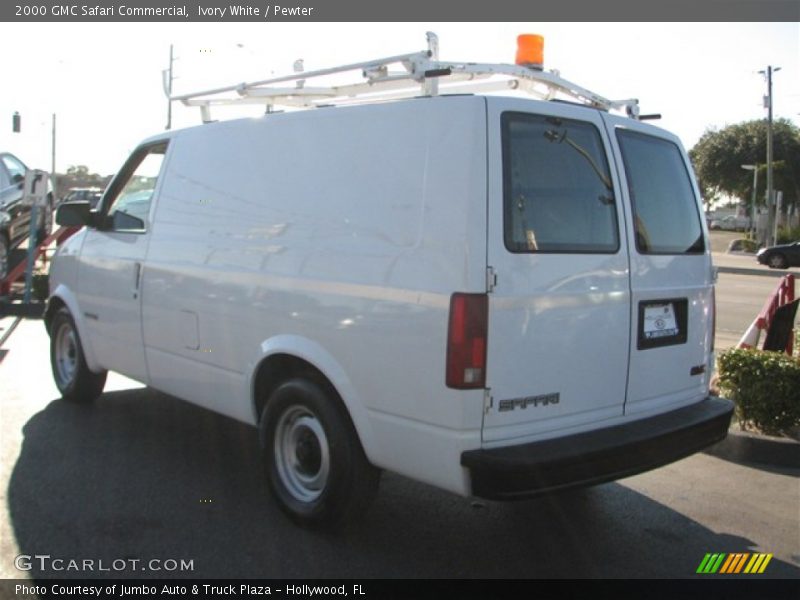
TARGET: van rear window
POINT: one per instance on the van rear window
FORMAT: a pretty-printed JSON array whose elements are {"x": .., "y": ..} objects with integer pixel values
[
  {"x": 666, "y": 217},
  {"x": 557, "y": 190}
]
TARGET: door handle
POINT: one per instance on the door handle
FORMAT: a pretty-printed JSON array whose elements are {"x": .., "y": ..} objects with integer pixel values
[{"x": 137, "y": 273}]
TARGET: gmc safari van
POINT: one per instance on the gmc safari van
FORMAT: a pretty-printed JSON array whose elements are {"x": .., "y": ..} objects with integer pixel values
[{"x": 498, "y": 296}]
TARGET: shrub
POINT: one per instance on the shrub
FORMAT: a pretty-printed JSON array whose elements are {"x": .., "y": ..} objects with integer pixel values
[
  {"x": 787, "y": 235},
  {"x": 765, "y": 386},
  {"x": 796, "y": 346},
  {"x": 743, "y": 245}
]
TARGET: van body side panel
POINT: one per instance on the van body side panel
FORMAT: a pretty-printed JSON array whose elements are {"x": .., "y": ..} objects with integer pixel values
[
  {"x": 63, "y": 275},
  {"x": 560, "y": 314},
  {"x": 63, "y": 285},
  {"x": 671, "y": 273},
  {"x": 350, "y": 228},
  {"x": 110, "y": 304},
  {"x": 113, "y": 260}
]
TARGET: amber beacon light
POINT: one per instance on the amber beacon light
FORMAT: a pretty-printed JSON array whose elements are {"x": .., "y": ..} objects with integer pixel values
[{"x": 530, "y": 51}]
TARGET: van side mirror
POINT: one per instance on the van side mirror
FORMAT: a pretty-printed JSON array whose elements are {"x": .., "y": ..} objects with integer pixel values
[{"x": 75, "y": 214}]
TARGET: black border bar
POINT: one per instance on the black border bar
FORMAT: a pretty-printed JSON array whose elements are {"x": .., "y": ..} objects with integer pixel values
[
  {"x": 705, "y": 587},
  {"x": 401, "y": 11}
]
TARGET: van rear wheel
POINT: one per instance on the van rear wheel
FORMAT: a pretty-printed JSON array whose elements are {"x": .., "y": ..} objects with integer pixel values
[
  {"x": 313, "y": 458},
  {"x": 73, "y": 378}
]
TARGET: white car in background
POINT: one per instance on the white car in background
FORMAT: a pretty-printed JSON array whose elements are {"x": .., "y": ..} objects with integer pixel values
[{"x": 731, "y": 223}]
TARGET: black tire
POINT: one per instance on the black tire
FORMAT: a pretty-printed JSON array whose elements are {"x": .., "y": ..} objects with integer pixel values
[
  {"x": 4, "y": 256},
  {"x": 314, "y": 461},
  {"x": 777, "y": 261},
  {"x": 73, "y": 378}
]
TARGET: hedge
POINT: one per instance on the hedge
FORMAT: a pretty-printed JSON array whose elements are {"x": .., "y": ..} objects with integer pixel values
[
  {"x": 787, "y": 235},
  {"x": 765, "y": 386}
]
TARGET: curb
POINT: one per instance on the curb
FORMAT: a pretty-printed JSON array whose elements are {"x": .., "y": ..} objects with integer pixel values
[
  {"x": 745, "y": 271},
  {"x": 745, "y": 447}
]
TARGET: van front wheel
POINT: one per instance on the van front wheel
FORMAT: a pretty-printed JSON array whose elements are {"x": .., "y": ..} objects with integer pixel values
[
  {"x": 314, "y": 461},
  {"x": 73, "y": 378}
]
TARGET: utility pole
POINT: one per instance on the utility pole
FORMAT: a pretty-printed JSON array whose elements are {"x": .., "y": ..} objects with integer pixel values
[
  {"x": 754, "y": 169},
  {"x": 771, "y": 213},
  {"x": 168, "y": 88},
  {"x": 53, "y": 166}
]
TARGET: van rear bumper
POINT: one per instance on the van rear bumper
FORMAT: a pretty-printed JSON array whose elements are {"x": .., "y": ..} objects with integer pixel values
[{"x": 593, "y": 457}]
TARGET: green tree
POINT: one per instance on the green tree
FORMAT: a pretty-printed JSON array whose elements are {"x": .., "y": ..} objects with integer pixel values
[
  {"x": 719, "y": 155},
  {"x": 79, "y": 176}
]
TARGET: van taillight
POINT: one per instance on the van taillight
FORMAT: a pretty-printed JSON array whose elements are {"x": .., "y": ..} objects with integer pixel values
[{"x": 466, "y": 341}]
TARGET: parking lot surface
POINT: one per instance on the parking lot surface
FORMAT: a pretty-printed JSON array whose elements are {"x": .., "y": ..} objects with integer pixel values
[{"x": 142, "y": 477}]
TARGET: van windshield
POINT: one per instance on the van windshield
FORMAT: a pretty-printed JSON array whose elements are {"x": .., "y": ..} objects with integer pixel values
[
  {"x": 557, "y": 190},
  {"x": 666, "y": 216}
]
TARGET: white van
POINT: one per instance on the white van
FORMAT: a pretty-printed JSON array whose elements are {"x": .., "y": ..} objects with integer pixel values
[{"x": 497, "y": 296}]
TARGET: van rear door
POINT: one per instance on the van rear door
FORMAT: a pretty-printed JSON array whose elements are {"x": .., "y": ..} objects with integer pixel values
[
  {"x": 559, "y": 315},
  {"x": 671, "y": 278}
]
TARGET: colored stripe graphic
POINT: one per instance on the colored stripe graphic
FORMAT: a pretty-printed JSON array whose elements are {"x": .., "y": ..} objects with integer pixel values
[
  {"x": 710, "y": 563},
  {"x": 758, "y": 563},
  {"x": 734, "y": 563}
]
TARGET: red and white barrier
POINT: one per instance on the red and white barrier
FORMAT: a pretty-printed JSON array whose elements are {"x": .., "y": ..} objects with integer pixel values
[{"x": 784, "y": 294}]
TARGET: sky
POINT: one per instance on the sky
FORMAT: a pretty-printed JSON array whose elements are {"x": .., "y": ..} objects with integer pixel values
[{"x": 104, "y": 80}]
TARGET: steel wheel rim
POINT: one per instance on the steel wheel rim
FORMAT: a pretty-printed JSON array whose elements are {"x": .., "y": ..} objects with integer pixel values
[
  {"x": 302, "y": 454},
  {"x": 66, "y": 354}
]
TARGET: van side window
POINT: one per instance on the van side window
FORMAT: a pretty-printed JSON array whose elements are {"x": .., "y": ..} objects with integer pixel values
[
  {"x": 130, "y": 205},
  {"x": 557, "y": 191},
  {"x": 666, "y": 217}
]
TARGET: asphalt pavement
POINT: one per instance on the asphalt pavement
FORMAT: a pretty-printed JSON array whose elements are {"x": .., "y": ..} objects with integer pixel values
[{"x": 141, "y": 476}]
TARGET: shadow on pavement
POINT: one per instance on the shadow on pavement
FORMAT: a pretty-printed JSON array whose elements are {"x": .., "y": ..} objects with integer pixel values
[{"x": 140, "y": 475}]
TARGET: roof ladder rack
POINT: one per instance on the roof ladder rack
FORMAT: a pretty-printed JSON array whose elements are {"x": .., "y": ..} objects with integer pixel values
[{"x": 401, "y": 76}]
